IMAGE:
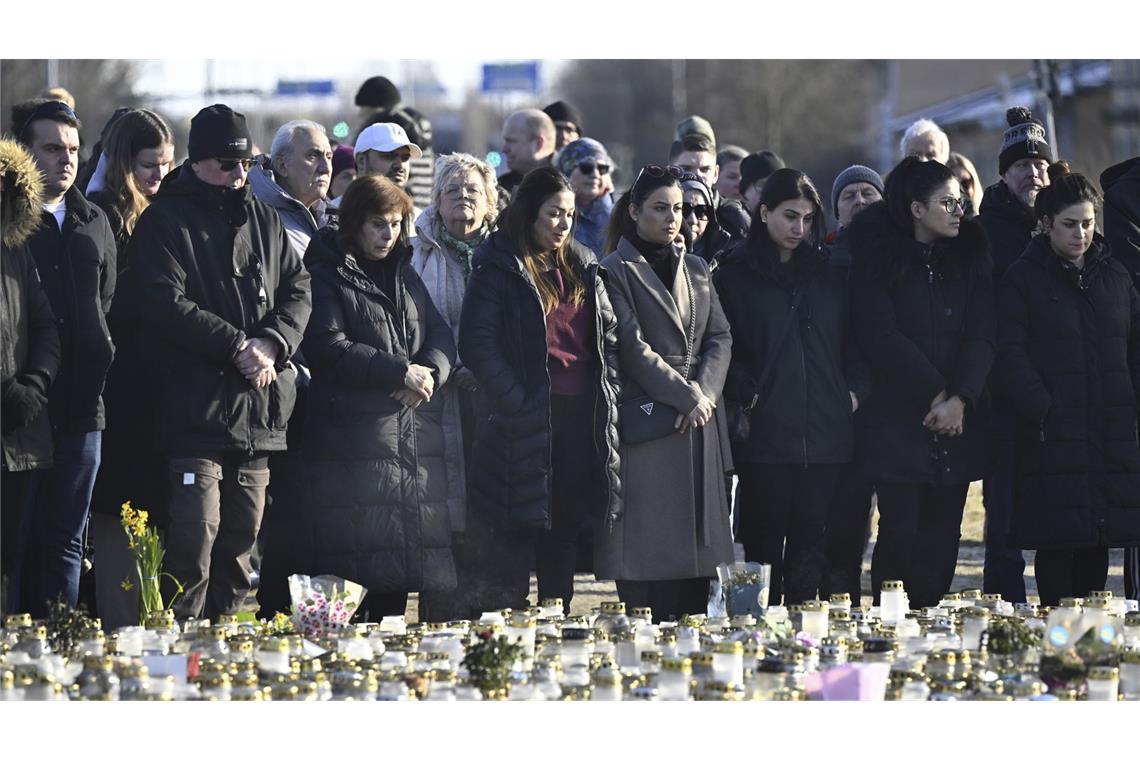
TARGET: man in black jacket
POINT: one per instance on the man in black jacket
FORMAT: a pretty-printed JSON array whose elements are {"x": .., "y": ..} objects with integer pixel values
[
  {"x": 225, "y": 302},
  {"x": 74, "y": 251},
  {"x": 1007, "y": 219}
]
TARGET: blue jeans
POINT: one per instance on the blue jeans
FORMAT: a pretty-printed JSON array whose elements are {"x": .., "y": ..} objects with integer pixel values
[
  {"x": 1004, "y": 570},
  {"x": 61, "y": 516}
]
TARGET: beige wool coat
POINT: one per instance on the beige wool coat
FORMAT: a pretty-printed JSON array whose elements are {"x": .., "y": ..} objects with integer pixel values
[{"x": 676, "y": 519}]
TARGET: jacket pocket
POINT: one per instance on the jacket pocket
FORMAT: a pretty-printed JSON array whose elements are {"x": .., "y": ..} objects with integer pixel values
[{"x": 282, "y": 397}]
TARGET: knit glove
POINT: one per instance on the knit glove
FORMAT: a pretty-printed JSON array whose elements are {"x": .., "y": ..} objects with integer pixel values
[{"x": 22, "y": 403}]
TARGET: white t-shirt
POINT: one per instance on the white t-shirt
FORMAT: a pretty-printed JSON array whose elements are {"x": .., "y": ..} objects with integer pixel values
[{"x": 57, "y": 210}]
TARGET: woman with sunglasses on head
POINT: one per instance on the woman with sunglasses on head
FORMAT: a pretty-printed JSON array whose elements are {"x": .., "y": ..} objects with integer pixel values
[
  {"x": 138, "y": 152},
  {"x": 539, "y": 334},
  {"x": 1069, "y": 362},
  {"x": 795, "y": 376},
  {"x": 703, "y": 234},
  {"x": 922, "y": 304},
  {"x": 675, "y": 348},
  {"x": 587, "y": 165}
]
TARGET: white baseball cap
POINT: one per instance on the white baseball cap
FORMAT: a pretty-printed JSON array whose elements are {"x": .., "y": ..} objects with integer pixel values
[{"x": 385, "y": 137}]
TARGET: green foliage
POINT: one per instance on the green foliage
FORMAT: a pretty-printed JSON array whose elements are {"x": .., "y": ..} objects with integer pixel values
[
  {"x": 489, "y": 661},
  {"x": 66, "y": 625},
  {"x": 1010, "y": 636}
]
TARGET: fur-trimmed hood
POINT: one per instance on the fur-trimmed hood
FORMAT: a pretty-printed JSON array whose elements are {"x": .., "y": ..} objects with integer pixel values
[
  {"x": 874, "y": 233},
  {"x": 22, "y": 193}
]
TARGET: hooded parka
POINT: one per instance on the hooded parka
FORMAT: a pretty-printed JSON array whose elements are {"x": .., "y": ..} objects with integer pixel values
[
  {"x": 676, "y": 522},
  {"x": 1069, "y": 359},
  {"x": 925, "y": 323},
  {"x": 502, "y": 340},
  {"x": 376, "y": 475},
  {"x": 214, "y": 267},
  {"x": 1121, "y": 184},
  {"x": 29, "y": 349}
]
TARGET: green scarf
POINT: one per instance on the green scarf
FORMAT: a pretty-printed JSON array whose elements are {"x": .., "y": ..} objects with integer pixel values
[{"x": 463, "y": 249}]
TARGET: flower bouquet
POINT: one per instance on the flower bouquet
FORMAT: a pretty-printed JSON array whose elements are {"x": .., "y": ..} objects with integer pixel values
[
  {"x": 745, "y": 587},
  {"x": 147, "y": 547},
  {"x": 323, "y": 603}
]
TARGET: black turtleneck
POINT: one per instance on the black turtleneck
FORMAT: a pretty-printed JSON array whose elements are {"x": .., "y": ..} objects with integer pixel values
[
  {"x": 663, "y": 259},
  {"x": 382, "y": 273}
]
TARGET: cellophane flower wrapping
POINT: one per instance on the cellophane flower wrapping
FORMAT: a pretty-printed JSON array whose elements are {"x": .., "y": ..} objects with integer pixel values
[
  {"x": 745, "y": 587},
  {"x": 323, "y": 603}
]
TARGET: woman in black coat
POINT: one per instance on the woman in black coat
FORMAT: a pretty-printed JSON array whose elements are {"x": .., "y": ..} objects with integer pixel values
[
  {"x": 1069, "y": 359},
  {"x": 922, "y": 297},
  {"x": 539, "y": 334},
  {"x": 374, "y": 455},
  {"x": 792, "y": 376}
]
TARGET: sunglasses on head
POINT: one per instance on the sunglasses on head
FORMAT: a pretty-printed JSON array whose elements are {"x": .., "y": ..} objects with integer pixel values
[
  {"x": 653, "y": 170},
  {"x": 701, "y": 211},
  {"x": 229, "y": 164},
  {"x": 603, "y": 169}
]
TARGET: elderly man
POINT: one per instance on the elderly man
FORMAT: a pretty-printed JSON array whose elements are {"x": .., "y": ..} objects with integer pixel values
[
  {"x": 74, "y": 251},
  {"x": 1008, "y": 221},
  {"x": 925, "y": 140},
  {"x": 296, "y": 179},
  {"x": 224, "y": 302},
  {"x": 856, "y": 188},
  {"x": 529, "y": 137}
]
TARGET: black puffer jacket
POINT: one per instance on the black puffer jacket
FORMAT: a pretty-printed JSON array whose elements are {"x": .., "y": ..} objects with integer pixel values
[
  {"x": 925, "y": 323},
  {"x": 502, "y": 340},
  {"x": 1008, "y": 225},
  {"x": 214, "y": 269},
  {"x": 29, "y": 340},
  {"x": 78, "y": 272},
  {"x": 802, "y": 415},
  {"x": 1069, "y": 358},
  {"x": 1121, "y": 184},
  {"x": 375, "y": 474}
]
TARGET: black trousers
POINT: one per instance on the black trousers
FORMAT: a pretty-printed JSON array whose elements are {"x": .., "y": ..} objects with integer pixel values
[
  {"x": 781, "y": 522},
  {"x": 574, "y": 475},
  {"x": 919, "y": 529},
  {"x": 848, "y": 531},
  {"x": 1070, "y": 572},
  {"x": 376, "y": 605},
  {"x": 669, "y": 599}
]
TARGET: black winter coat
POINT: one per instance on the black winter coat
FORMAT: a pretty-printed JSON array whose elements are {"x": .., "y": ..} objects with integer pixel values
[
  {"x": 375, "y": 475},
  {"x": 925, "y": 323},
  {"x": 802, "y": 414},
  {"x": 502, "y": 340},
  {"x": 1121, "y": 184},
  {"x": 214, "y": 269},
  {"x": 1069, "y": 359},
  {"x": 77, "y": 270},
  {"x": 1008, "y": 225}
]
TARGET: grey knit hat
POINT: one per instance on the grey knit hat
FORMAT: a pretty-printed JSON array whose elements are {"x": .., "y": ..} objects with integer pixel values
[{"x": 851, "y": 175}]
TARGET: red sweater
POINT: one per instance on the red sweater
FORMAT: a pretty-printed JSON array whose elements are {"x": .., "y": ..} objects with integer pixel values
[{"x": 569, "y": 344}]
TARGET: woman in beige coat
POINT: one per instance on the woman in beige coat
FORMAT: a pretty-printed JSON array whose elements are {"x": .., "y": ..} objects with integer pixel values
[{"x": 675, "y": 527}]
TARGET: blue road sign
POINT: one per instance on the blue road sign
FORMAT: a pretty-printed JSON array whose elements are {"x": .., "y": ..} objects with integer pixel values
[{"x": 510, "y": 77}]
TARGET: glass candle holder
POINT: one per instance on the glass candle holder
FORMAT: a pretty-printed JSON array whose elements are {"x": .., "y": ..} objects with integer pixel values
[{"x": 1103, "y": 683}]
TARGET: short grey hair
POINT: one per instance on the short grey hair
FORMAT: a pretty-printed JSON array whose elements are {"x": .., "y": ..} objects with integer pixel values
[
  {"x": 919, "y": 128},
  {"x": 283, "y": 139},
  {"x": 453, "y": 165}
]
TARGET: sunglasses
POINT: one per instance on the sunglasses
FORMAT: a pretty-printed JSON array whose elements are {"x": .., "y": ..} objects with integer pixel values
[
  {"x": 659, "y": 171},
  {"x": 952, "y": 203},
  {"x": 701, "y": 211},
  {"x": 603, "y": 169},
  {"x": 229, "y": 164}
]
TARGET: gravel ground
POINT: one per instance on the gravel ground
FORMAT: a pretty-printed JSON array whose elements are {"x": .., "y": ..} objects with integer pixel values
[{"x": 590, "y": 593}]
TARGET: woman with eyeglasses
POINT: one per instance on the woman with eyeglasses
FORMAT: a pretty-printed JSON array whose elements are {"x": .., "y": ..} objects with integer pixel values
[
  {"x": 675, "y": 348},
  {"x": 922, "y": 297},
  {"x": 1069, "y": 362},
  {"x": 138, "y": 152},
  {"x": 703, "y": 234},
  {"x": 586, "y": 164},
  {"x": 795, "y": 376},
  {"x": 539, "y": 334},
  {"x": 968, "y": 180},
  {"x": 374, "y": 448},
  {"x": 461, "y": 216}
]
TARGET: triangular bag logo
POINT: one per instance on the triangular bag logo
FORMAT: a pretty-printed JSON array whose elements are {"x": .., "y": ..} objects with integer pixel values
[{"x": 647, "y": 408}]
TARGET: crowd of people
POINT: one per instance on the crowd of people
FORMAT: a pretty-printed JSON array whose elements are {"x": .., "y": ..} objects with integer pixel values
[{"x": 296, "y": 369}]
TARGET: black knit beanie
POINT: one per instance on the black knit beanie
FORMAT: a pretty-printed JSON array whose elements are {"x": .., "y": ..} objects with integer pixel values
[
  {"x": 1025, "y": 138},
  {"x": 560, "y": 110},
  {"x": 217, "y": 131},
  {"x": 757, "y": 166},
  {"x": 378, "y": 92}
]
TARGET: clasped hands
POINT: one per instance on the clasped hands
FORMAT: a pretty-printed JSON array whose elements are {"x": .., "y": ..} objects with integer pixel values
[
  {"x": 418, "y": 386},
  {"x": 946, "y": 415},
  {"x": 699, "y": 417},
  {"x": 255, "y": 360}
]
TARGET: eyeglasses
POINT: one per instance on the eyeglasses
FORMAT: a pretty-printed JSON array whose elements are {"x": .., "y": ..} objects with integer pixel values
[
  {"x": 457, "y": 191},
  {"x": 229, "y": 164},
  {"x": 603, "y": 169},
  {"x": 701, "y": 211},
  {"x": 951, "y": 203}
]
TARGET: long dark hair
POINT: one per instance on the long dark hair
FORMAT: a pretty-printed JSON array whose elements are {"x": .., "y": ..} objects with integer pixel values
[
  {"x": 620, "y": 224},
  {"x": 789, "y": 185},
  {"x": 1064, "y": 189},
  {"x": 912, "y": 180},
  {"x": 518, "y": 225}
]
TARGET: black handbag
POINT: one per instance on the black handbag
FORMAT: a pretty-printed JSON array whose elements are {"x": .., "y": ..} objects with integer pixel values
[{"x": 641, "y": 419}]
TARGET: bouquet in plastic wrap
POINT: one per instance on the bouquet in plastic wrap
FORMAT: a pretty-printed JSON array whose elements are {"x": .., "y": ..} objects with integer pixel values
[
  {"x": 745, "y": 587},
  {"x": 323, "y": 603}
]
